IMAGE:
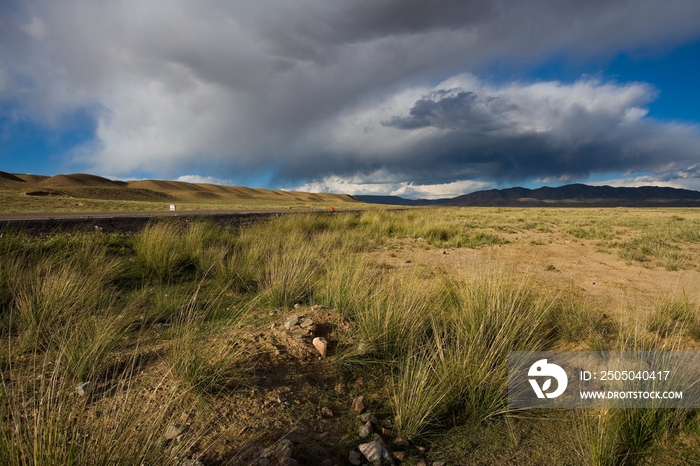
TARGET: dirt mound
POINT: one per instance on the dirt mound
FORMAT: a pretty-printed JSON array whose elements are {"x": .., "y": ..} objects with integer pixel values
[{"x": 80, "y": 180}]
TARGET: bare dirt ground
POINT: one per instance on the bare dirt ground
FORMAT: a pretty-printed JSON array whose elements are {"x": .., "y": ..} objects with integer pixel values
[{"x": 613, "y": 284}]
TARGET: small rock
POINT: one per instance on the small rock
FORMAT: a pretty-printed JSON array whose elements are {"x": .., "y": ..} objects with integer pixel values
[
  {"x": 421, "y": 449},
  {"x": 438, "y": 463},
  {"x": 272, "y": 326},
  {"x": 421, "y": 462},
  {"x": 291, "y": 322},
  {"x": 264, "y": 462},
  {"x": 358, "y": 404},
  {"x": 283, "y": 451},
  {"x": 174, "y": 430},
  {"x": 401, "y": 442},
  {"x": 326, "y": 411},
  {"x": 191, "y": 463},
  {"x": 82, "y": 389},
  {"x": 321, "y": 345},
  {"x": 372, "y": 451},
  {"x": 306, "y": 323},
  {"x": 287, "y": 442},
  {"x": 297, "y": 306},
  {"x": 354, "y": 458},
  {"x": 400, "y": 455},
  {"x": 368, "y": 417},
  {"x": 365, "y": 430},
  {"x": 288, "y": 462},
  {"x": 281, "y": 398},
  {"x": 387, "y": 432}
]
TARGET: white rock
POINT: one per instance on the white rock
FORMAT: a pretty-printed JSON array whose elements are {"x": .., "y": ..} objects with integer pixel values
[
  {"x": 82, "y": 389},
  {"x": 372, "y": 451}
]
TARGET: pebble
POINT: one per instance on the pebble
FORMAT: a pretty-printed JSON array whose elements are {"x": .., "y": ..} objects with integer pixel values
[
  {"x": 289, "y": 462},
  {"x": 82, "y": 389},
  {"x": 354, "y": 458},
  {"x": 421, "y": 462},
  {"x": 191, "y": 463},
  {"x": 400, "y": 455},
  {"x": 358, "y": 404},
  {"x": 174, "y": 430},
  {"x": 368, "y": 417},
  {"x": 291, "y": 322},
  {"x": 283, "y": 451},
  {"x": 372, "y": 451},
  {"x": 281, "y": 398},
  {"x": 287, "y": 442},
  {"x": 365, "y": 430},
  {"x": 326, "y": 411},
  {"x": 306, "y": 323},
  {"x": 401, "y": 442},
  {"x": 438, "y": 463},
  {"x": 320, "y": 344},
  {"x": 264, "y": 462}
]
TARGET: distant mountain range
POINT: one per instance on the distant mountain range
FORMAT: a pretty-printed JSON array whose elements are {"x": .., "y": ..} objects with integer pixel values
[{"x": 572, "y": 195}]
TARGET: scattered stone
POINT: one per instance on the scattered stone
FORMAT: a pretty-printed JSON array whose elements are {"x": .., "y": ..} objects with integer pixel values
[
  {"x": 291, "y": 322},
  {"x": 358, "y": 404},
  {"x": 368, "y": 417},
  {"x": 264, "y": 462},
  {"x": 191, "y": 463},
  {"x": 421, "y": 449},
  {"x": 387, "y": 432},
  {"x": 365, "y": 430},
  {"x": 297, "y": 306},
  {"x": 306, "y": 323},
  {"x": 354, "y": 458},
  {"x": 421, "y": 462},
  {"x": 287, "y": 442},
  {"x": 265, "y": 452},
  {"x": 272, "y": 326},
  {"x": 401, "y": 442},
  {"x": 82, "y": 389},
  {"x": 98, "y": 228},
  {"x": 289, "y": 462},
  {"x": 174, "y": 430},
  {"x": 281, "y": 398},
  {"x": 372, "y": 451},
  {"x": 283, "y": 451},
  {"x": 438, "y": 463},
  {"x": 321, "y": 345},
  {"x": 326, "y": 411},
  {"x": 400, "y": 455}
]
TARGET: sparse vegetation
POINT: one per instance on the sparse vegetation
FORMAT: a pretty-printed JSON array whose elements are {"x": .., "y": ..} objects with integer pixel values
[{"x": 181, "y": 324}]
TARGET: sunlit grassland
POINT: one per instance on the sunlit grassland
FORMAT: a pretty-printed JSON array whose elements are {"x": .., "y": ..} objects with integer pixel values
[{"x": 154, "y": 322}]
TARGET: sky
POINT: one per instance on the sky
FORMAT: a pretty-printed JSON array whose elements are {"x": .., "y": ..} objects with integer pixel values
[{"x": 390, "y": 97}]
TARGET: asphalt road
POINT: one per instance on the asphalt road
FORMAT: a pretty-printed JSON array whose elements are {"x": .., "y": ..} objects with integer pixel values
[{"x": 42, "y": 223}]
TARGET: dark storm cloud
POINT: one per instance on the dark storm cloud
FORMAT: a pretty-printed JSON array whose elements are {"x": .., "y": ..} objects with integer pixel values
[{"x": 267, "y": 85}]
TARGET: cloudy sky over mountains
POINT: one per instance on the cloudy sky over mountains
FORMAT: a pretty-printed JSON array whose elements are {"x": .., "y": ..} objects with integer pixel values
[{"x": 413, "y": 98}]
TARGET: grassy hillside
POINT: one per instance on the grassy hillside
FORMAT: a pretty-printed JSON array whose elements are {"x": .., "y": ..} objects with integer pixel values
[{"x": 85, "y": 193}]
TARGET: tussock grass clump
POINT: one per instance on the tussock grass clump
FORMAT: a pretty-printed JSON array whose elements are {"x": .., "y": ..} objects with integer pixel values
[{"x": 670, "y": 316}]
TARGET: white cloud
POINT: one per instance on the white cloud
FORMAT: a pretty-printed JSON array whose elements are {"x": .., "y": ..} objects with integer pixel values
[
  {"x": 35, "y": 28},
  {"x": 203, "y": 179},
  {"x": 407, "y": 190}
]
